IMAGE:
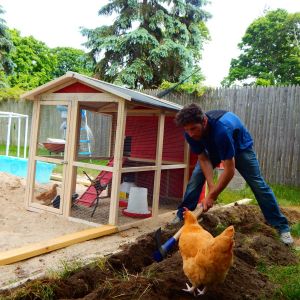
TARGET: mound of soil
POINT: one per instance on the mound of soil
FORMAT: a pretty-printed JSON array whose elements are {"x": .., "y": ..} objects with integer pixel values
[{"x": 133, "y": 274}]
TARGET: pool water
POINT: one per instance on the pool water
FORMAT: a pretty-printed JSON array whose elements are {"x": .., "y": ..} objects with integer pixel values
[{"x": 18, "y": 166}]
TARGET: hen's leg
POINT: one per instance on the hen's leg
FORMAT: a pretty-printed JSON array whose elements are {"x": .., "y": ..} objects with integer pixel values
[
  {"x": 189, "y": 289},
  {"x": 201, "y": 292},
  {"x": 194, "y": 291}
]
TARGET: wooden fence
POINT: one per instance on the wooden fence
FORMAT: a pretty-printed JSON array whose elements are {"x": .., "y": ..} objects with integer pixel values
[{"x": 272, "y": 115}]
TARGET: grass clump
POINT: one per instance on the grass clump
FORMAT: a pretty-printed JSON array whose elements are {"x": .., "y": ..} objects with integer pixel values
[
  {"x": 35, "y": 290},
  {"x": 67, "y": 269},
  {"x": 295, "y": 231}
]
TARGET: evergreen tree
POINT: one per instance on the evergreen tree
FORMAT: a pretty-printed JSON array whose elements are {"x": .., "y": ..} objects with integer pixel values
[
  {"x": 149, "y": 41},
  {"x": 6, "y": 65}
]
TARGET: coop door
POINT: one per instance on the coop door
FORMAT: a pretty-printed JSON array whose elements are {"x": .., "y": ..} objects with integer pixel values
[{"x": 48, "y": 158}]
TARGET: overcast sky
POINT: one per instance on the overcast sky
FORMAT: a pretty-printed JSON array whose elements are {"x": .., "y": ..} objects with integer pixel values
[{"x": 57, "y": 23}]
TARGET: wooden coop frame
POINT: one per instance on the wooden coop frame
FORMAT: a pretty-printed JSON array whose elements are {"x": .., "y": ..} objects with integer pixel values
[{"x": 77, "y": 92}]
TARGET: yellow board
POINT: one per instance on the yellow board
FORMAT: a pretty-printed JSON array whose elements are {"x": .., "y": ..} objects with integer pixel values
[{"x": 15, "y": 255}]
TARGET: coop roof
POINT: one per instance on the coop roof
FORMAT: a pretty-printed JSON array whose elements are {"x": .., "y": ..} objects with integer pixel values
[{"x": 122, "y": 92}]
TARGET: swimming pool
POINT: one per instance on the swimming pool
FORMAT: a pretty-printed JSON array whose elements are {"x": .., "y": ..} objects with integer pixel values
[{"x": 18, "y": 166}]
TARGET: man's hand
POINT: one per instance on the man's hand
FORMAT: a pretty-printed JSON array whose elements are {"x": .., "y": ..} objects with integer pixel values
[{"x": 208, "y": 201}]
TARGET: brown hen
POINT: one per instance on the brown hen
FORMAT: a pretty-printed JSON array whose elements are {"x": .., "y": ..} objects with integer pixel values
[
  {"x": 48, "y": 196},
  {"x": 206, "y": 260}
]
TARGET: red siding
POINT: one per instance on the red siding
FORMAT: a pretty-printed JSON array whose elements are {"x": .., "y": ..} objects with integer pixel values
[
  {"x": 78, "y": 87},
  {"x": 173, "y": 149},
  {"x": 143, "y": 131}
]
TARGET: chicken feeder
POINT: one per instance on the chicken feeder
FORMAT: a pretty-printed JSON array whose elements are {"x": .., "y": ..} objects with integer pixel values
[{"x": 137, "y": 203}]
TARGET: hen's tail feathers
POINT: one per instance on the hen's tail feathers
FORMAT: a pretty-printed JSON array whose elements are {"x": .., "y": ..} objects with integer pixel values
[
  {"x": 224, "y": 242},
  {"x": 39, "y": 197}
]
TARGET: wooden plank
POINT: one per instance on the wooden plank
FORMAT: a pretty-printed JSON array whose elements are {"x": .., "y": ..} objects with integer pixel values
[
  {"x": 264, "y": 125},
  {"x": 48, "y": 159},
  {"x": 283, "y": 167},
  {"x": 69, "y": 174},
  {"x": 288, "y": 151},
  {"x": 186, "y": 160},
  {"x": 172, "y": 167},
  {"x": 33, "y": 146},
  {"x": 118, "y": 156},
  {"x": 92, "y": 166},
  {"x": 32, "y": 151},
  {"x": 170, "y": 162},
  {"x": 157, "y": 175},
  {"x": 82, "y": 97},
  {"x": 16, "y": 255},
  {"x": 138, "y": 169},
  {"x": 42, "y": 208}
]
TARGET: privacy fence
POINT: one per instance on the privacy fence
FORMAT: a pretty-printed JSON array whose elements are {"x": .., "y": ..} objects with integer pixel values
[{"x": 272, "y": 114}]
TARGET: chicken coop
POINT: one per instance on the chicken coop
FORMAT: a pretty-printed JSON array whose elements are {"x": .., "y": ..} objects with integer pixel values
[{"x": 115, "y": 155}]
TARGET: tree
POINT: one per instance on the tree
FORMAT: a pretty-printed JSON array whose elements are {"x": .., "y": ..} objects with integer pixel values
[
  {"x": 34, "y": 62},
  {"x": 70, "y": 59},
  {"x": 270, "y": 51},
  {"x": 6, "y": 46},
  {"x": 149, "y": 41}
]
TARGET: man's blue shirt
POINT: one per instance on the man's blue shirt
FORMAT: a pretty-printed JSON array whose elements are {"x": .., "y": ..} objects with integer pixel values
[{"x": 227, "y": 137}]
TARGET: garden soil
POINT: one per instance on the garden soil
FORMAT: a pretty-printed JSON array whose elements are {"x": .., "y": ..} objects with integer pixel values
[{"x": 133, "y": 274}]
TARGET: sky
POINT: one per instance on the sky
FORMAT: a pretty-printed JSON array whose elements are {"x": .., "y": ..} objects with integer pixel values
[{"x": 57, "y": 23}]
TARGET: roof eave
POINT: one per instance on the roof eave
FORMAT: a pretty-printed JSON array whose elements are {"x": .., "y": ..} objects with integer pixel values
[{"x": 31, "y": 95}]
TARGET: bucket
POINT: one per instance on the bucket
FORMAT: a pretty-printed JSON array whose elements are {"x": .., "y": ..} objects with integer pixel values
[{"x": 137, "y": 203}]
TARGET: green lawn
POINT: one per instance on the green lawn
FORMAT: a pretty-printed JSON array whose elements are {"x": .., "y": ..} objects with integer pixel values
[
  {"x": 286, "y": 277},
  {"x": 13, "y": 150},
  {"x": 286, "y": 195}
]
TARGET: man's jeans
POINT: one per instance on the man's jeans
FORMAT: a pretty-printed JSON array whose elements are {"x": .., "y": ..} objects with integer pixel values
[{"x": 246, "y": 163}]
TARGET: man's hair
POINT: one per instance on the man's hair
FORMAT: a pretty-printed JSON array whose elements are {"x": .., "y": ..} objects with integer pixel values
[{"x": 190, "y": 113}]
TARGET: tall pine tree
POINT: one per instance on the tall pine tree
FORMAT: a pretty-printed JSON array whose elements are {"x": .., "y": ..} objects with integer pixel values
[
  {"x": 6, "y": 65},
  {"x": 149, "y": 41}
]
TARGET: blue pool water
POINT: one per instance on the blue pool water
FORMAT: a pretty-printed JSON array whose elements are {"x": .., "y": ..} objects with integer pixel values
[{"x": 18, "y": 166}]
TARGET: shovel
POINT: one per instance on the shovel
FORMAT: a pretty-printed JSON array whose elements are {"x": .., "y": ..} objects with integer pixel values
[{"x": 163, "y": 250}]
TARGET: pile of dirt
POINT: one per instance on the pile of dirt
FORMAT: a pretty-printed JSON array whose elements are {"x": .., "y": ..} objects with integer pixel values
[{"x": 133, "y": 274}]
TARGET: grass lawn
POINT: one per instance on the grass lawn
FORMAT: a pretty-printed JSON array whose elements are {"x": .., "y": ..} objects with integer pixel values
[
  {"x": 286, "y": 277},
  {"x": 286, "y": 195},
  {"x": 13, "y": 150}
]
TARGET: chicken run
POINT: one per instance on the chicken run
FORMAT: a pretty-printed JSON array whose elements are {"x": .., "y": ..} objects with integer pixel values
[{"x": 132, "y": 273}]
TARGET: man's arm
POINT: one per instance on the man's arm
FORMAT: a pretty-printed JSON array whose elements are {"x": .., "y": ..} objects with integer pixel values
[
  {"x": 226, "y": 176},
  {"x": 207, "y": 169}
]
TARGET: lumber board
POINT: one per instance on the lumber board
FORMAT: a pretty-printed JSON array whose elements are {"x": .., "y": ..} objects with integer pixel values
[{"x": 18, "y": 254}]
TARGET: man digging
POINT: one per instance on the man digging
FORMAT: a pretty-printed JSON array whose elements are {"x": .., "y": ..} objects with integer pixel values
[{"x": 217, "y": 136}]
